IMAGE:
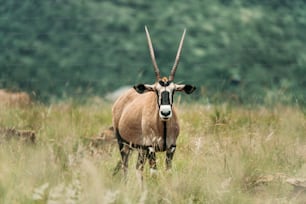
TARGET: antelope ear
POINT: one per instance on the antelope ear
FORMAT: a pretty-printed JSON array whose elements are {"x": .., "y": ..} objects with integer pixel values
[
  {"x": 143, "y": 88},
  {"x": 187, "y": 88}
]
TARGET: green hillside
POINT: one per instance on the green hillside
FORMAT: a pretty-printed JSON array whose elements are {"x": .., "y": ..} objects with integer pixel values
[{"x": 242, "y": 51}]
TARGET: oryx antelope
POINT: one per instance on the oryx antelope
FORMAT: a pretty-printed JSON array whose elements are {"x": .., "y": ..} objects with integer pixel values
[{"x": 144, "y": 117}]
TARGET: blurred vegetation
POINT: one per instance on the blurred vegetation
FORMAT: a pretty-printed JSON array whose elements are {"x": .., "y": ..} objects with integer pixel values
[{"x": 242, "y": 51}]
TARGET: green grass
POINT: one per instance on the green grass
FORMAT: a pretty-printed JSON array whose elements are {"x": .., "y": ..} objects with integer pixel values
[{"x": 225, "y": 154}]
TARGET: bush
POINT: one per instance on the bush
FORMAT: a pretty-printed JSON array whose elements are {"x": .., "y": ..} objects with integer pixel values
[{"x": 234, "y": 50}]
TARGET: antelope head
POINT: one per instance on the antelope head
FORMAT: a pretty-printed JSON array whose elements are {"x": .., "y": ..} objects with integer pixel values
[{"x": 164, "y": 87}]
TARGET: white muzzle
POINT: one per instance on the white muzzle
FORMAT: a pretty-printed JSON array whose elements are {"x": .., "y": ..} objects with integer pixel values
[{"x": 165, "y": 112}]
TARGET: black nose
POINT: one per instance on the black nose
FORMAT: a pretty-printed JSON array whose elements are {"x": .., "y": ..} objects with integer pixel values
[{"x": 165, "y": 113}]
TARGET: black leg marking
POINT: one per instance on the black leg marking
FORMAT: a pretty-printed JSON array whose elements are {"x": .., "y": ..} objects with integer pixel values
[
  {"x": 169, "y": 156},
  {"x": 141, "y": 159},
  {"x": 124, "y": 152},
  {"x": 152, "y": 158},
  {"x": 117, "y": 168}
]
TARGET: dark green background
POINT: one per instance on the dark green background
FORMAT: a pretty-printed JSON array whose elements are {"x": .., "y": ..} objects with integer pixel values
[{"x": 251, "y": 51}]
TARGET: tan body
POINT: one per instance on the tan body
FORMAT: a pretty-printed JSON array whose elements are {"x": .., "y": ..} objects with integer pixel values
[{"x": 136, "y": 118}]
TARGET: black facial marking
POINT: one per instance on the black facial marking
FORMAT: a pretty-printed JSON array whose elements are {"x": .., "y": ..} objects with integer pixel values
[
  {"x": 165, "y": 100},
  {"x": 162, "y": 83}
]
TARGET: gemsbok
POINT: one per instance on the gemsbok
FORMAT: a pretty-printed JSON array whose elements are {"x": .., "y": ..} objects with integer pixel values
[{"x": 145, "y": 119}]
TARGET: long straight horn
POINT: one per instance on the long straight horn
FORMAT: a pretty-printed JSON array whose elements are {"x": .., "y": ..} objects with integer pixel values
[
  {"x": 177, "y": 59},
  {"x": 156, "y": 70}
]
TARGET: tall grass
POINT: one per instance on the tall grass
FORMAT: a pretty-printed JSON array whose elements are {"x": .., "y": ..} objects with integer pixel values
[{"x": 225, "y": 154}]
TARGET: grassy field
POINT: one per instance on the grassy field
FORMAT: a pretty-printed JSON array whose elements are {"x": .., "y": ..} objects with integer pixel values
[{"x": 225, "y": 154}]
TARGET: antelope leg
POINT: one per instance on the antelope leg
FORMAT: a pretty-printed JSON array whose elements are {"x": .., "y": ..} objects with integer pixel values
[
  {"x": 140, "y": 164},
  {"x": 169, "y": 156},
  {"x": 141, "y": 159},
  {"x": 152, "y": 160},
  {"x": 125, "y": 152}
]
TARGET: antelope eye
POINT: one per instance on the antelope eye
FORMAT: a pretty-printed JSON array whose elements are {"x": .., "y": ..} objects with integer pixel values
[{"x": 162, "y": 83}]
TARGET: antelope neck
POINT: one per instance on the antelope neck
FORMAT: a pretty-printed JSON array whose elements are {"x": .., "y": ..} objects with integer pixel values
[{"x": 165, "y": 135}]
